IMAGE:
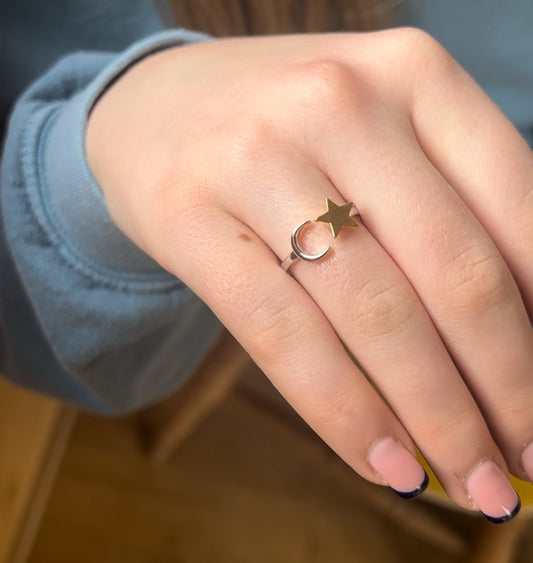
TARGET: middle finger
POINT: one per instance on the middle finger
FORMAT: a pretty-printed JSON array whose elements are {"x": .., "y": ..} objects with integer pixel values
[
  {"x": 453, "y": 265},
  {"x": 378, "y": 315}
]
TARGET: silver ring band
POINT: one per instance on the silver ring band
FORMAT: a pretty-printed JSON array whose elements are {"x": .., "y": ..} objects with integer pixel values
[{"x": 338, "y": 216}]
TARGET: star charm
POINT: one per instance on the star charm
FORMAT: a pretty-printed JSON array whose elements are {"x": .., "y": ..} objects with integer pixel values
[{"x": 338, "y": 216}]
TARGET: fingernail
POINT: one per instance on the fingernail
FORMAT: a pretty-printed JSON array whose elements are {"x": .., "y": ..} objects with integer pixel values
[
  {"x": 527, "y": 461},
  {"x": 492, "y": 493},
  {"x": 398, "y": 468}
]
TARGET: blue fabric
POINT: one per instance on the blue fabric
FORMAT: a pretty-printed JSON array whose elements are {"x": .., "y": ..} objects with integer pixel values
[
  {"x": 84, "y": 314},
  {"x": 492, "y": 40},
  {"x": 34, "y": 35}
]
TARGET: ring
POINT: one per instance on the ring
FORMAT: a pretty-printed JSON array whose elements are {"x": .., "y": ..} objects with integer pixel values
[{"x": 338, "y": 216}]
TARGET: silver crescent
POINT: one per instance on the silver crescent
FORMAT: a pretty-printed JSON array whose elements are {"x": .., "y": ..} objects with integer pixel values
[{"x": 299, "y": 252}]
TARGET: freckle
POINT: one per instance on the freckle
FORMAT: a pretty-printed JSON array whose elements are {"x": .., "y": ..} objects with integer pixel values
[{"x": 245, "y": 237}]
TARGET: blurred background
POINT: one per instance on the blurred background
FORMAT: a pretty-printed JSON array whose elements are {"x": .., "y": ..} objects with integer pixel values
[{"x": 222, "y": 471}]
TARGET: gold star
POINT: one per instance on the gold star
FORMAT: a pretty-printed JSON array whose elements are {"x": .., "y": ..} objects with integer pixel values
[{"x": 338, "y": 216}]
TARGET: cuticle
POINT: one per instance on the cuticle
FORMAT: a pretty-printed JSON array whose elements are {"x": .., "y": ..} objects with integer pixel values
[
  {"x": 523, "y": 472},
  {"x": 467, "y": 475},
  {"x": 523, "y": 475},
  {"x": 369, "y": 451},
  {"x": 471, "y": 501},
  {"x": 479, "y": 464},
  {"x": 372, "y": 447}
]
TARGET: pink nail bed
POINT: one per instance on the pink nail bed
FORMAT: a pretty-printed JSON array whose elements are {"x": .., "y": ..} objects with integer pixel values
[
  {"x": 527, "y": 461},
  {"x": 492, "y": 492},
  {"x": 398, "y": 468}
]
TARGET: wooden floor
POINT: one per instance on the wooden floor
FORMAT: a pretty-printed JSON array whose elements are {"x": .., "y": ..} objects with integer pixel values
[{"x": 252, "y": 485}]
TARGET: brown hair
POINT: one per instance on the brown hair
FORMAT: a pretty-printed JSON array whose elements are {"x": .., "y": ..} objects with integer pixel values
[{"x": 258, "y": 17}]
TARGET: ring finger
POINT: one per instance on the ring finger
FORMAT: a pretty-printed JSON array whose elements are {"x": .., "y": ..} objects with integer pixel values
[{"x": 377, "y": 314}]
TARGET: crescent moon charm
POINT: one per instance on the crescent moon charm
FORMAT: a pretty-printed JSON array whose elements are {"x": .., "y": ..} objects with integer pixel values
[
  {"x": 337, "y": 216},
  {"x": 297, "y": 252},
  {"x": 297, "y": 249}
]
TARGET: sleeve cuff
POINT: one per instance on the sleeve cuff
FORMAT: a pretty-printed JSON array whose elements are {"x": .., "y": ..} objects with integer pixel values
[{"x": 75, "y": 203}]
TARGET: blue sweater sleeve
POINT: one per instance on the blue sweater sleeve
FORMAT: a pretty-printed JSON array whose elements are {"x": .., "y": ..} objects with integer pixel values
[{"x": 84, "y": 314}]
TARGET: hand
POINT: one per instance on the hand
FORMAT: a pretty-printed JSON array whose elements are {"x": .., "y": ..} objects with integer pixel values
[{"x": 209, "y": 155}]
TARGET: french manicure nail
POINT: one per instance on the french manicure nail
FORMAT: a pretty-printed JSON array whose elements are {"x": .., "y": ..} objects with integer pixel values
[
  {"x": 398, "y": 468},
  {"x": 492, "y": 493},
  {"x": 527, "y": 461}
]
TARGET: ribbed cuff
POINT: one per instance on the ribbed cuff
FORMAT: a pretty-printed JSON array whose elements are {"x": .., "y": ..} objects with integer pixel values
[{"x": 75, "y": 202}]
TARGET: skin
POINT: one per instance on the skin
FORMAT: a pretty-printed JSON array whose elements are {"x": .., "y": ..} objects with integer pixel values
[{"x": 209, "y": 155}]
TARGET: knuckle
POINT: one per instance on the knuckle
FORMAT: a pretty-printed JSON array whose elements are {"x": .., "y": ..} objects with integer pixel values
[
  {"x": 251, "y": 135},
  {"x": 478, "y": 282},
  {"x": 415, "y": 45},
  {"x": 457, "y": 422},
  {"x": 178, "y": 209},
  {"x": 420, "y": 57},
  {"x": 414, "y": 39},
  {"x": 381, "y": 309},
  {"x": 337, "y": 408},
  {"x": 323, "y": 85},
  {"x": 275, "y": 326},
  {"x": 513, "y": 408},
  {"x": 187, "y": 221}
]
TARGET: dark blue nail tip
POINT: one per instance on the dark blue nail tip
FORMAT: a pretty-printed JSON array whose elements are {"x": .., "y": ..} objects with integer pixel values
[
  {"x": 507, "y": 517},
  {"x": 418, "y": 491}
]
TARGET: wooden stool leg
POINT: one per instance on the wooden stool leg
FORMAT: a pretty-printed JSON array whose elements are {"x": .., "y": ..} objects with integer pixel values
[
  {"x": 497, "y": 543},
  {"x": 34, "y": 433},
  {"x": 44, "y": 483},
  {"x": 171, "y": 421}
]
